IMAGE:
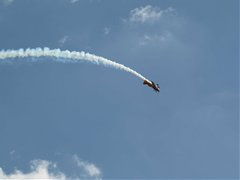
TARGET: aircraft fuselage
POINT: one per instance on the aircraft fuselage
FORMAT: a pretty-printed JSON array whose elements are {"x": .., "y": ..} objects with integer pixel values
[{"x": 152, "y": 85}]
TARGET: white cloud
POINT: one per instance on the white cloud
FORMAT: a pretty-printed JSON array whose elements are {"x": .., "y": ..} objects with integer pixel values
[
  {"x": 40, "y": 169},
  {"x": 148, "y": 14},
  {"x": 90, "y": 169}
]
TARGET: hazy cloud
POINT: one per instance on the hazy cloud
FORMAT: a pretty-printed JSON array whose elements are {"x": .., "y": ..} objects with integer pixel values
[
  {"x": 154, "y": 38},
  {"x": 12, "y": 152},
  {"x": 74, "y": 1},
  {"x": 63, "y": 40},
  {"x": 7, "y": 2},
  {"x": 147, "y": 14},
  {"x": 106, "y": 30}
]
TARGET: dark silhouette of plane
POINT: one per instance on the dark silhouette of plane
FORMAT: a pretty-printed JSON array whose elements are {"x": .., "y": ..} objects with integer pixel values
[{"x": 151, "y": 84}]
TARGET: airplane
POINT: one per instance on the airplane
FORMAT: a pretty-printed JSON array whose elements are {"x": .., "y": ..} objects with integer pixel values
[{"x": 152, "y": 85}]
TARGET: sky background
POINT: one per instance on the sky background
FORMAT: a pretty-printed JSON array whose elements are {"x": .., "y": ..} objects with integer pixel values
[{"x": 82, "y": 120}]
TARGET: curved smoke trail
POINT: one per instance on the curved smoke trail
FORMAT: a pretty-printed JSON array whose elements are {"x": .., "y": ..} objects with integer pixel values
[{"x": 57, "y": 53}]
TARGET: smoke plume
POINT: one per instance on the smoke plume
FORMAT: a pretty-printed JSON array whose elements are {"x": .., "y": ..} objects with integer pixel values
[{"x": 72, "y": 55}]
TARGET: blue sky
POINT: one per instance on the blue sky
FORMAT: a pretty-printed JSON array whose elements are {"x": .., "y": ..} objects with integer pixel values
[{"x": 82, "y": 120}]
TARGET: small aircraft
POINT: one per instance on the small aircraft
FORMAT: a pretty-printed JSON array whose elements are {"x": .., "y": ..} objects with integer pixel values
[{"x": 151, "y": 84}]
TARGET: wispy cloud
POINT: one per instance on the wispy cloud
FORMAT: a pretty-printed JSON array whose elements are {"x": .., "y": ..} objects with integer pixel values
[
  {"x": 148, "y": 14},
  {"x": 12, "y": 152},
  {"x": 63, "y": 40},
  {"x": 152, "y": 26},
  {"x": 154, "y": 38},
  {"x": 106, "y": 30},
  {"x": 74, "y": 1},
  {"x": 7, "y": 2},
  {"x": 90, "y": 169}
]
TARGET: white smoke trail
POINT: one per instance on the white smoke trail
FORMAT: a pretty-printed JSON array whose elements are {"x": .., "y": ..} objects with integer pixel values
[{"x": 57, "y": 53}]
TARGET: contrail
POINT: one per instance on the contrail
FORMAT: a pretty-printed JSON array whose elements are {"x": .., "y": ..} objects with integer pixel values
[{"x": 73, "y": 55}]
